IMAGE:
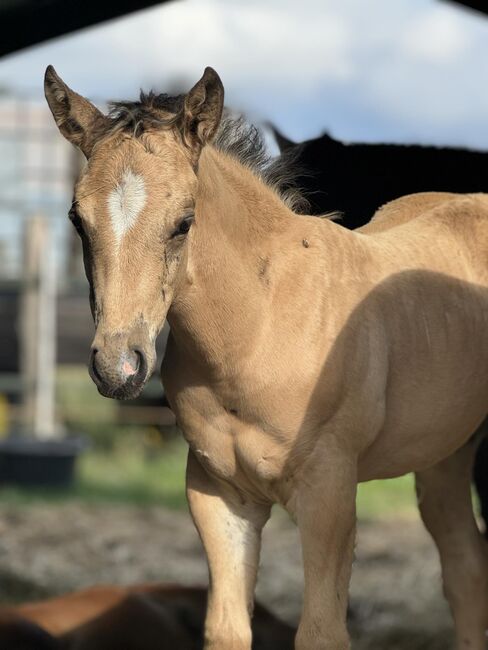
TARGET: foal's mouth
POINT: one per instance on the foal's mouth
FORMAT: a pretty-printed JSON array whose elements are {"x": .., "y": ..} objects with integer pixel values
[{"x": 130, "y": 390}]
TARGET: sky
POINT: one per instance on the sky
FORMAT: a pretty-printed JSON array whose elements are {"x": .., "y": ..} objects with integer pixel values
[{"x": 382, "y": 70}]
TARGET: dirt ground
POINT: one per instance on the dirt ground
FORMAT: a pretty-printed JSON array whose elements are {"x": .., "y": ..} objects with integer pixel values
[{"x": 396, "y": 600}]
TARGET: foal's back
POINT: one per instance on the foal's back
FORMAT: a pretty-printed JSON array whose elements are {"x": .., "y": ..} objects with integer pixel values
[
  {"x": 405, "y": 209},
  {"x": 447, "y": 218}
]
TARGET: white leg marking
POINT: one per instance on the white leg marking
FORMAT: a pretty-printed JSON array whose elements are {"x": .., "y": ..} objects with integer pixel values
[{"x": 126, "y": 202}]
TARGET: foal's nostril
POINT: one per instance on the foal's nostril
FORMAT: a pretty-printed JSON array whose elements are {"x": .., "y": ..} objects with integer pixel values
[
  {"x": 134, "y": 365},
  {"x": 130, "y": 363},
  {"x": 141, "y": 365},
  {"x": 93, "y": 364}
]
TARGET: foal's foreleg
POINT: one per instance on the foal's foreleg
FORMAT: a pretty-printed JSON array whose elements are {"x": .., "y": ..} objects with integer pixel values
[
  {"x": 230, "y": 527},
  {"x": 444, "y": 495},
  {"x": 325, "y": 511}
]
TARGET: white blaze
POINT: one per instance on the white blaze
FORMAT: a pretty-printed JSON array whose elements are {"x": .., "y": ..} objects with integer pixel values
[{"x": 126, "y": 202}]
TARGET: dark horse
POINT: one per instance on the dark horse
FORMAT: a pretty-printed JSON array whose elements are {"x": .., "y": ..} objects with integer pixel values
[
  {"x": 138, "y": 617},
  {"x": 355, "y": 179}
]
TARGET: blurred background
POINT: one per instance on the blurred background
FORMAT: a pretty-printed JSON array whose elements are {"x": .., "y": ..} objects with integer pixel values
[{"x": 409, "y": 71}]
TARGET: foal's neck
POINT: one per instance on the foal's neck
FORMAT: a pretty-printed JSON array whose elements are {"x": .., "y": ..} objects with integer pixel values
[
  {"x": 233, "y": 199},
  {"x": 220, "y": 306}
]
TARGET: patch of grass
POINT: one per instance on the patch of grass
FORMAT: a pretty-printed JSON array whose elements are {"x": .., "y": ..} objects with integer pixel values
[
  {"x": 136, "y": 475},
  {"x": 391, "y": 498},
  {"x": 127, "y": 475}
]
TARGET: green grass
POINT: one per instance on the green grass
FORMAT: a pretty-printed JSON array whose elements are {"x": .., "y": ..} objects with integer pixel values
[
  {"x": 135, "y": 476},
  {"x": 135, "y": 465},
  {"x": 392, "y": 498},
  {"x": 124, "y": 476}
]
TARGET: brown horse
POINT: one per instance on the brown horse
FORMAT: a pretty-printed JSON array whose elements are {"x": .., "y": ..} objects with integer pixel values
[
  {"x": 303, "y": 357},
  {"x": 139, "y": 617}
]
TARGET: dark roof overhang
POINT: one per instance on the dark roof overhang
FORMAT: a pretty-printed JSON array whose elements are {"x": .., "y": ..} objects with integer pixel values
[{"x": 28, "y": 22}]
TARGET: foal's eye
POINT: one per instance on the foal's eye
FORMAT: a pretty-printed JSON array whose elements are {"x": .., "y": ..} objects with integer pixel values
[
  {"x": 184, "y": 226},
  {"x": 75, "y": 219}
]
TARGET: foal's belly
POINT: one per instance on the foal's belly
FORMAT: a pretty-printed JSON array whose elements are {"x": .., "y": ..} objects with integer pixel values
[
  {"x": 386, "y": 460},
  {"x": 425, "y": 425}
]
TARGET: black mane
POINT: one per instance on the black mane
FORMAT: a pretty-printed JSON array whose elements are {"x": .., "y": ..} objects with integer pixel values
[{"x": 235, "y": 137}]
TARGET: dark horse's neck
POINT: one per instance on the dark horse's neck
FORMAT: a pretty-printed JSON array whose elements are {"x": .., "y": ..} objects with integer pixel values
[{"x": 219, "y": 308}]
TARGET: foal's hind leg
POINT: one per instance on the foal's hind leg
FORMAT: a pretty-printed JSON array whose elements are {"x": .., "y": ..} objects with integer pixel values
[{"x": 444, "y": 495}]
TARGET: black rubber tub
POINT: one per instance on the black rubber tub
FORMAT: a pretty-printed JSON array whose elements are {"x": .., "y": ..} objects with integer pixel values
[{"x": 28, "y": 462}]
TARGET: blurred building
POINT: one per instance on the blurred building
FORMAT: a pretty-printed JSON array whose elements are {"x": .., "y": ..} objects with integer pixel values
[
  {"x": 37, "y": 171},
  {"x": 36, "y": 177}
]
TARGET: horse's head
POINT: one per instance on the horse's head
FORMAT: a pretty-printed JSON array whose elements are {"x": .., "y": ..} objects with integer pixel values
[{"x": 133, "y": 208}]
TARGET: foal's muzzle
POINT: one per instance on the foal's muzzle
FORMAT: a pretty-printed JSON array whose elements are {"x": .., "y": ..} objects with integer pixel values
[{"x": 120, "y": 375}]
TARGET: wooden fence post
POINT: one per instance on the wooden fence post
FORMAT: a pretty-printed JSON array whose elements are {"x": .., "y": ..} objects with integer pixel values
[{"x": 38, "y": 329}]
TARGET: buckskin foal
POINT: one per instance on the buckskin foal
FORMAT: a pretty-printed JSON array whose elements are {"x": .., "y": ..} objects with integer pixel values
[{"x": 303, "y": 357}]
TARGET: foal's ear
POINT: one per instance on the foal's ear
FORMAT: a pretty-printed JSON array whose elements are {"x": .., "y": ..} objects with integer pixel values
[
  {"x": 75, "y": 116},
  {"x": 202, "y": 110}
]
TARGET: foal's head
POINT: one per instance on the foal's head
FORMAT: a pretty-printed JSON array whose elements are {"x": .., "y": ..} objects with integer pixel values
[{"x": 133, "y": 208}]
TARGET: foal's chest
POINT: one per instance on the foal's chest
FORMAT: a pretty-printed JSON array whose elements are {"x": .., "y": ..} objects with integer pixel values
[
  {"x": 247, "y": 445},
  {"x": 251, "y": 428},
  {"x": 232, "y": 447}
]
